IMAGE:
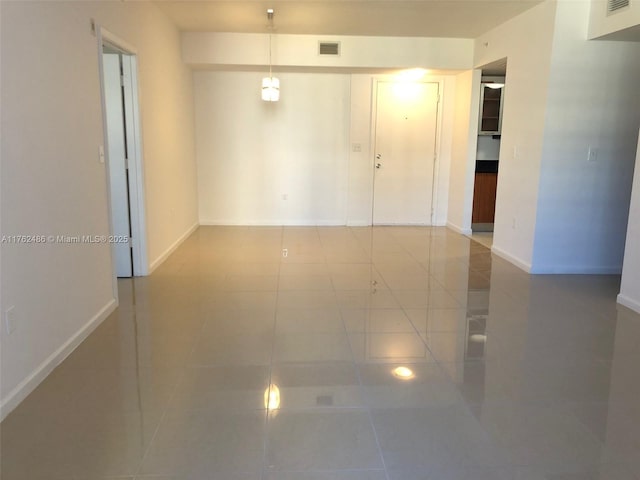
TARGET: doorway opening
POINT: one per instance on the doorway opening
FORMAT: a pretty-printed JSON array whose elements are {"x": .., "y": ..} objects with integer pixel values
[
  {"x": 487, "y": 162},
  {"x": 406, "y": 128},
  {"x": 123, "y": 146}
]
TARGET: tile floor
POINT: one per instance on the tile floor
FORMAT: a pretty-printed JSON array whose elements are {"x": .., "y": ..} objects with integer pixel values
[
  {"x": 485, "y": 238},
  {"x": 381, "y": 354}
]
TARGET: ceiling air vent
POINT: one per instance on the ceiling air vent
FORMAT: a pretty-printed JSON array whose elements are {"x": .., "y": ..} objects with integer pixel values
[
  {"x": 615, "y": 5},
  {"x": 330, "y": 48}
]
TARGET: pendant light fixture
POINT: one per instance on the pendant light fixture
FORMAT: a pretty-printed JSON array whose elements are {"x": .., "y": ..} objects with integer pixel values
[{"x": 270, "y": 84}]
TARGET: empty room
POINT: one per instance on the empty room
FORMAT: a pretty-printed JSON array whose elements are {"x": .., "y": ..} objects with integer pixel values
[{"x": 320, "y": 240}]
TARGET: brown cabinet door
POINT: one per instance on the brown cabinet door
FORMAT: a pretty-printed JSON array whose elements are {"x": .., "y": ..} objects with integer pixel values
[{"x": 484, "y": 198}]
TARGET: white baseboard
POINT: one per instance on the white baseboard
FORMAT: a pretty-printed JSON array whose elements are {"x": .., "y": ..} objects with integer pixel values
[
  {"x": 358, "y": 223},
  {"x": 312, "y": 223},
  {"x": 555, "y": 269},
  {"x": 273, "y": 223},
  {"x": 574, "y": 270},
  {"x": 29, "y": 384},
  {"x": 407, "y": 224},
  {"x": 629, "y": 302},
  {"x": 158, "y": 261},
  {"x": 511, "y": 259},
  {"x": 459, "y": 229}
]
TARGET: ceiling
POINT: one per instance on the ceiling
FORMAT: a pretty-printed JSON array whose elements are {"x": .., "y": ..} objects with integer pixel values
[{"x": 417, "y": 18}]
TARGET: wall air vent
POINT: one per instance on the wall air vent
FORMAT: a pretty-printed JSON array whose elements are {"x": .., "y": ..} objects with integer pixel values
[
  {"x": 329, "y": 48},
  {"x": 615, "y": 5}
]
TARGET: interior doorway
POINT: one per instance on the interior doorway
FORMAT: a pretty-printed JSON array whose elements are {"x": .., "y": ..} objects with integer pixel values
[
  {"x": 405, "y": 136},
  {"x": 121, "y": 114},
  {"x": 492, "y": 88}
]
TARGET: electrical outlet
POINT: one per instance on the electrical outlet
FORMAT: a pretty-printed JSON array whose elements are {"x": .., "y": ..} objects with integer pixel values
[
  {"x": 592, "y": 154},
  {"x": 513, "y": 223},
  {"x": 285, "y": 252},
  {"x": 10, "y": 319}
]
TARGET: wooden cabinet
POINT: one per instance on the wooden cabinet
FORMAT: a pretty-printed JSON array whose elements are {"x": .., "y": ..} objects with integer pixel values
[
  {"x": 484, "y": 198},
  {"x": 491, "y": 108}
]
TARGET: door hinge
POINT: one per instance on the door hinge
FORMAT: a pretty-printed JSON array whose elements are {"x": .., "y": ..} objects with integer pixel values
[
  {"x": 121, "y": 80},
  {"x": 126, "y": 163}
]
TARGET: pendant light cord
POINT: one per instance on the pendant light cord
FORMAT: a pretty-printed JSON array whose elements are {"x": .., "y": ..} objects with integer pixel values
[
  {"x": 270, "y": 35},
  {"x": 270, "y": 86},
  {"x": 270, "y": 13}
]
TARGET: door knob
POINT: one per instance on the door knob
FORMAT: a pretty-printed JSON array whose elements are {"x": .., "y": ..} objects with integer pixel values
[{"x": 378, "y": 165}]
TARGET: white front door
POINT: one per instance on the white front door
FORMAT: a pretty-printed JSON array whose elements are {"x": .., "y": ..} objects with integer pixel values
[
  {"x": 117, "y": 158},
  {"x": 404, "y": 156}
]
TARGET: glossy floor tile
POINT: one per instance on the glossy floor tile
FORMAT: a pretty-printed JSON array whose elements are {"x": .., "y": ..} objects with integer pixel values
[{"x": 334, "y": 353}]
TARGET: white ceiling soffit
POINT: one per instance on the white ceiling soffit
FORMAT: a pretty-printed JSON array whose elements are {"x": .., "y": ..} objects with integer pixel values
[
  {"x": 497, "y": 68},
  {"x": 399, "y": 18},
  {"x": 631, "y": 34}
]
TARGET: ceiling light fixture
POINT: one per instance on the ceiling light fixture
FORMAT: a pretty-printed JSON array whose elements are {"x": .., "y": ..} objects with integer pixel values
[
  {"x": 403, "y": 373},
  {"x": 494, "y": 86},
  {"x": 270, "y": 84},
  {"x": 272, "y": 397}
]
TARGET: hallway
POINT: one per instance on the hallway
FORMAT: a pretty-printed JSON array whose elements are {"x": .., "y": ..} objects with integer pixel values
[{"x": 334, "y": 353}]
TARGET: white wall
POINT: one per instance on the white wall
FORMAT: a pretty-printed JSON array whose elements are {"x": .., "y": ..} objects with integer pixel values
[
  {"x": 228, "y": 49},
  {"x": 556, "y": 212},
  {"x": 1, "y": 223},
  {"x": 224, "y": 144},
  {"x": 52, "y": 182},
  {"x": 251, "y": 153},
  {"x": 463, "y": 155},
  {"x": 360, "y": 192},
  {"x": 593, "y": 101},
  {"x": 630, "y": 287},
  {"x": 526, "y": 43},
  {"x": 445, "y": 149}
]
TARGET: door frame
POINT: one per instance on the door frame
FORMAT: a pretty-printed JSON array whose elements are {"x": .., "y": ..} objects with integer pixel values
[
  {"x": 438, "y": 136},
  {"x": 135, "y": 161}
]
